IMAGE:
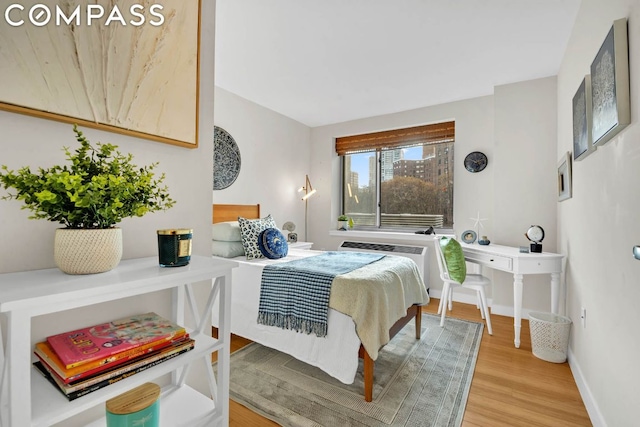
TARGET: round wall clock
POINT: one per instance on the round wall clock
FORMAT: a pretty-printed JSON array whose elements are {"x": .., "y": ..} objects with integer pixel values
[
  {"x": 475, "y": 161},
  {"x": 226, "y": 159}
]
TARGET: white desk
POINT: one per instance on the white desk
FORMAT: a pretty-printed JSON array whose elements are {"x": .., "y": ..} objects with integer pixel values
[
  {"x": 301, "y": 245},
  {"x": 511, "y": 260}
]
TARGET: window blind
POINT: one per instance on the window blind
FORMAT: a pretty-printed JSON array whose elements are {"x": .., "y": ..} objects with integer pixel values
[{"x": 397, "y": 138}]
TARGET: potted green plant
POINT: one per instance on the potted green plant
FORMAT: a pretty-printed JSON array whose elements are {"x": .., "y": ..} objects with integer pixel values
[
  {"x": 343, "y": 222},
  {"x": 89, "y": 196}
]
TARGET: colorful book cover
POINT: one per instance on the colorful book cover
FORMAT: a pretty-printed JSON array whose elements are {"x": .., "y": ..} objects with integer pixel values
[
  {"x": 98, "y": 342},
  {"x": 97, "y": 382},
  {"x": 46, "y": 354}
]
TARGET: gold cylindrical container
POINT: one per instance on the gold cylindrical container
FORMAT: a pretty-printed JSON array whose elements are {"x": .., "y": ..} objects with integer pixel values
[
  {"x": 174, "y": 247},
  {"x": 137, "y": 407}
]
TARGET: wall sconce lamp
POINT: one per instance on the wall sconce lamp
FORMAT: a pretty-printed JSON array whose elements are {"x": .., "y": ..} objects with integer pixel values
[
  {"x": 308, "y": 192},
  {"x": 307, "y": 188}
]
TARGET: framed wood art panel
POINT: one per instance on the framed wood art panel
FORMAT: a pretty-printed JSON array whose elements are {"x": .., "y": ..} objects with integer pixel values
[{"x": 134, "y": 70}]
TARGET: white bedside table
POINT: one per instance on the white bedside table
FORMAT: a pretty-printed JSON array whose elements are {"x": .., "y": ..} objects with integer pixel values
[{"x": 301, "y": 245}]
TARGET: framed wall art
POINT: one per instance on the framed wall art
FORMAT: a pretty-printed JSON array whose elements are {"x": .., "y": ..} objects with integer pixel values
[
  {"x": 610, "y": 85},
  {"x": 582, "y": 144},
  {"x": 134, "y": 70},
  {"x": 564, "y": 177}
]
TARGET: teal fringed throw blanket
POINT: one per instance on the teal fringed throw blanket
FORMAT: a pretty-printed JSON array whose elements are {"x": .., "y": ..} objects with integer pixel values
[{"x": 295, "y": 295}]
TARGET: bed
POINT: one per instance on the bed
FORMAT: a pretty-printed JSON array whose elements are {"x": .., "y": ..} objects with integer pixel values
[{"x": 338, "y": 352}]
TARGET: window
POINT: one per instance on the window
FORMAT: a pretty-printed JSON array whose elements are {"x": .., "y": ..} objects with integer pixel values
[{"x": 397, "y": 179}]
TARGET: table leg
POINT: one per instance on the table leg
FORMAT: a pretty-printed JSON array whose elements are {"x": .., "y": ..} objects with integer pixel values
[
  {"x": 18, "y": 356},
  {"x": 224, "y": 358},
  {"x": 555, "y": 292},
  {"x": 517, "y": 307}
]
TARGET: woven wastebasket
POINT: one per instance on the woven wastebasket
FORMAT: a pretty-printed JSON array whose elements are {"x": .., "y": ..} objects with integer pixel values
[{"x": 549, "y": 336}]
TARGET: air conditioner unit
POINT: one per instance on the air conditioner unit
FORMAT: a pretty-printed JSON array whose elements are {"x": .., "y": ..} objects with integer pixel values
[{"x": 417, "y": 253}]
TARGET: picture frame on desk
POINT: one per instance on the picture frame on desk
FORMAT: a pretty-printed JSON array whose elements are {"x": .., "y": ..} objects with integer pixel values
[{"x": 564, "y": 177}]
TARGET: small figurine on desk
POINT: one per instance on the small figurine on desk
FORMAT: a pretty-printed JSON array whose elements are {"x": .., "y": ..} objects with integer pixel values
[{"x": 484, "y": 241}]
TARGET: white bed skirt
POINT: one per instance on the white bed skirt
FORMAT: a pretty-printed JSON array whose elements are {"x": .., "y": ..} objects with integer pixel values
[{"x": 336, "y": 354}]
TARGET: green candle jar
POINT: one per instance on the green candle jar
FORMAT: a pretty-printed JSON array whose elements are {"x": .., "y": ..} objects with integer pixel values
[{"x": 174, "y": 247}]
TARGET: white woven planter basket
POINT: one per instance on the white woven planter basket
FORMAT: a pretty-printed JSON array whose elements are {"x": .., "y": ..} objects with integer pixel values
[{"x": 87, "y": 251}]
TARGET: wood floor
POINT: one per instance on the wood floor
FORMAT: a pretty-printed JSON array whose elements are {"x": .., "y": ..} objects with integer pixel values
[{"x": 510, "y": 387}]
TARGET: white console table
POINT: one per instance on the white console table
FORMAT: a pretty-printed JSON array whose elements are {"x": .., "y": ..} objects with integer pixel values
[
  {"x": 511, "y": 260},
  {"x": 28, "y": 399}
]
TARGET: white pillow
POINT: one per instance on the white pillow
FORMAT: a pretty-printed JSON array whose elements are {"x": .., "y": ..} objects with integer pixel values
[
  {"x": 227, "y": 231},
  {"x": 227, "y": 249}
]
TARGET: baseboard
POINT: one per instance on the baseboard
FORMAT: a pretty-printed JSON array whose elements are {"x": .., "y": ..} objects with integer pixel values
[
  {"x": 585, "y": 392},
  {"x": 461, "y": 295},
  {"x": 504, "y": 310}
]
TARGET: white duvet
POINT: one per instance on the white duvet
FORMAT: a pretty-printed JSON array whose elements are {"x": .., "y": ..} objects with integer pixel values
[{"x": 336, "y": 354}]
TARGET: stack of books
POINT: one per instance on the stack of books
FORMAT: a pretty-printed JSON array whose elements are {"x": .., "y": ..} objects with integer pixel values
[{"x": 82, "y": 361}]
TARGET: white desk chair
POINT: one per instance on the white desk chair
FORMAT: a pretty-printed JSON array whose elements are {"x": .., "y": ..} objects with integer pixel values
[{"x": 476, "y": 282}]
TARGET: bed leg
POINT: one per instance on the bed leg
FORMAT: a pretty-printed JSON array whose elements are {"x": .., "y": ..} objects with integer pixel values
[
  {"x": 368, "y": 377},
  {"x": 418, "y": 322}
]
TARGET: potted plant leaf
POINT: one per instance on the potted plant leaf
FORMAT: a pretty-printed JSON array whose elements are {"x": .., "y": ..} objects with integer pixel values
[{"x": 97, "y": 189}]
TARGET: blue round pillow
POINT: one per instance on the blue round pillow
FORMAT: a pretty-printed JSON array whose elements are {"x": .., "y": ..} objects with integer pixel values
[{"x": 273, "y": 244}]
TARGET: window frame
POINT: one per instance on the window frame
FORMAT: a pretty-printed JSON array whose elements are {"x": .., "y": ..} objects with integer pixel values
[{"x": 442, "y": 133}]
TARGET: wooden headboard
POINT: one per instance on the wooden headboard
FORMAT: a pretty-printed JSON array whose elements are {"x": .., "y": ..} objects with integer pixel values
[{"x": 222, "y": 213}]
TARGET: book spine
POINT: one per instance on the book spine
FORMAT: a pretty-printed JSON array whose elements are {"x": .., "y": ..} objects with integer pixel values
[
  {"x": 161, "y": 357},
  {"x": 119, "y": 367},
  {"x": 79, "y": 393},
  {"x": 68, "y": 377},
  {"x": 46, "y": 354},
  {"x": 74, "y": 393}
]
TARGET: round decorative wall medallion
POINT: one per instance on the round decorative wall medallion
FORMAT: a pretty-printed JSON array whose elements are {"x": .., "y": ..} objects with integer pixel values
[{"x": 226, "y": 159}]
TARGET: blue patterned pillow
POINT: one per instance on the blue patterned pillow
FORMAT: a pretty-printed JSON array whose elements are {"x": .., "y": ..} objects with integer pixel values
[
  {"x": 273, "y": 244},
  {"x": 250, "y": 231}
]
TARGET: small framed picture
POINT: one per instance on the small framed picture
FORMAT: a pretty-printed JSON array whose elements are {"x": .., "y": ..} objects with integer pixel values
[
  {"x": 564, "y": 177},
  {"x": 292, "y": 237}
]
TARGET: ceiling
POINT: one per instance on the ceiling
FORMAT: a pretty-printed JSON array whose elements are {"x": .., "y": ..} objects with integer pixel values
[{"x": 328, "y": 61}]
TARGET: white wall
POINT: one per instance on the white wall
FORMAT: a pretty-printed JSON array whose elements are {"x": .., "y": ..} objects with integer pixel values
[
  {"x": 474, "y": 131},
  {"x": 28, "y": 244},
  {"x": 598, "y": 227},
  {"x": 275, "y": 156},
  {"x": 525, "y": 190},
  {"x": 519, "y": 118}
]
